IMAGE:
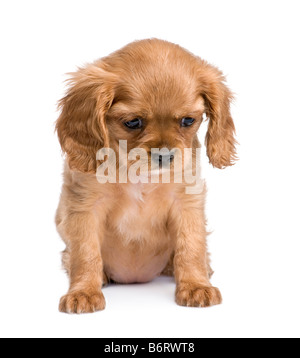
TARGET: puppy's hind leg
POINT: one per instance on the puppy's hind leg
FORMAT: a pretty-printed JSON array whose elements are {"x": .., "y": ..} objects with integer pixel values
[
  {"x": 65, "y": 258},
  {"x": 210, "y": 271},
  {"x": 169, "y": 269}
]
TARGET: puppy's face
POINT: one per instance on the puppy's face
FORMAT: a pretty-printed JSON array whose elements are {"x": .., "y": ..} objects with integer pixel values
[
  {"x": 161, "y": 112},
  {"x": 153, "y": 94}
]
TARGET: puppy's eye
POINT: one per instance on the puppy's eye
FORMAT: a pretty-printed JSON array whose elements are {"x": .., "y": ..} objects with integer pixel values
[
  {"x": 136, "y": 123},
  {"x": 187, "y": 121}
]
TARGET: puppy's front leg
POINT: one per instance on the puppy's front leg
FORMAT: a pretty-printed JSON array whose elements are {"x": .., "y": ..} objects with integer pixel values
[
  {"x": 190, "y": 262},
  {"x": 85, "y": 268}
]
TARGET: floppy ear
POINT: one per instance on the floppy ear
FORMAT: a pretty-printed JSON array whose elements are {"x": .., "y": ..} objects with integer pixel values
[
  {"x": 220, "y": 141},
  {"x": 81, "y": 126}
]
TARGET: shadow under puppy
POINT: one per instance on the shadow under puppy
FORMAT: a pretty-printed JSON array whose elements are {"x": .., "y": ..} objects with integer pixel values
[{"x": 153, "y": 94}]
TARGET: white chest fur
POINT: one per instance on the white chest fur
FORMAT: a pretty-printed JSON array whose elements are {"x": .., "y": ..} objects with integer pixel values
[{"x": 142, "y": 211}]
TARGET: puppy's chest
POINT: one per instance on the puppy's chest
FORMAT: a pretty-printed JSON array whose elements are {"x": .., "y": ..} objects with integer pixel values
[{"x": 140, "y": 211}]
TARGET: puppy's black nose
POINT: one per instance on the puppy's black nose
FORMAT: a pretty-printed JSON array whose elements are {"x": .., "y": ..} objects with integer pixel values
[{"x": 165, "y": 159}]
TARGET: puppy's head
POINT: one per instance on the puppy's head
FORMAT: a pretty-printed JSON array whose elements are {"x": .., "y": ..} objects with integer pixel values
[{"x": 151, "y": 93}]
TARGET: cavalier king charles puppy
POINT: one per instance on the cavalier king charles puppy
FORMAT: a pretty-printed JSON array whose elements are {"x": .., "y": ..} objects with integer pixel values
[{"x": 151, "y": 94}]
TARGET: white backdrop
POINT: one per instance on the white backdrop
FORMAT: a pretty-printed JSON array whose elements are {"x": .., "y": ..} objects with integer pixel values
[{"x": 253, "y": 207}]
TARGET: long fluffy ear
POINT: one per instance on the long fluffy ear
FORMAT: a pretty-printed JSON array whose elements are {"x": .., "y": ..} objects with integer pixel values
[
  {"x": 220, "y": 141},
  {"x": 81, "y": 126}
]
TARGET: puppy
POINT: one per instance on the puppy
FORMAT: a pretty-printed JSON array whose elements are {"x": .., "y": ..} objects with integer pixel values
[{"x": 151, "y": 94}]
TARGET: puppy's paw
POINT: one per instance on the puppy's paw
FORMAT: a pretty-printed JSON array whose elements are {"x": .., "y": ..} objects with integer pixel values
[
  {"x": 82, "y": 302},
  {"x": 192, "y": 295}
]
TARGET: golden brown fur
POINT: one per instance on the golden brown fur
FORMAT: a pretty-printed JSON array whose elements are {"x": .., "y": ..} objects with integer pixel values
[{"x": 135, "y": 232}]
